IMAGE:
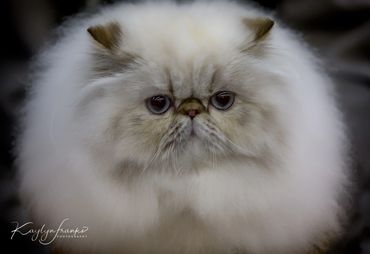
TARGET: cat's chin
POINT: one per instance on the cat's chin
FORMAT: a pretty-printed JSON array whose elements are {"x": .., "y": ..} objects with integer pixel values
[
  {"x": 195, "y": 140},
  {"x": 196, "y": 151}
]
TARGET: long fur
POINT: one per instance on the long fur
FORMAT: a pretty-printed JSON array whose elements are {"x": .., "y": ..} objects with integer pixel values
[{"x": 266, "y": 176}]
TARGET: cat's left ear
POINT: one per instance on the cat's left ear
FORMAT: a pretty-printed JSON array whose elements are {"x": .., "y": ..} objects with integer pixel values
[{"x": 260, "y": 29}]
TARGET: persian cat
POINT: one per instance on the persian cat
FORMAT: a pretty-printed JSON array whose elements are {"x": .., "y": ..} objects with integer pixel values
[{"x": 203, "y": 127}]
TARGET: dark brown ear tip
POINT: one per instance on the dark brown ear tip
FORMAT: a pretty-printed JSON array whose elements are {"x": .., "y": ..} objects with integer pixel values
[
  {"x": 107, "y": 35},
  {"x": 261, "y": 26},
  {"x": 92, "y": 30},
  {"x": 270, "y": 23}
]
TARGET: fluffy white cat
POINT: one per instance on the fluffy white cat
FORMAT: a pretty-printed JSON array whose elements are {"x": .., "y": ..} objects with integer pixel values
[{"x": 201, "y": 127}]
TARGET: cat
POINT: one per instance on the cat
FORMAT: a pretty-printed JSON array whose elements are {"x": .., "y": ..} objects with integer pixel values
[{"x": 200, "y": 127}]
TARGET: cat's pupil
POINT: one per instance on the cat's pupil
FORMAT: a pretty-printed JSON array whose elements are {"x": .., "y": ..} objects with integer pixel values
[
  {"x": 158, "y": 102},
  {"x": 223, "y": 98}
]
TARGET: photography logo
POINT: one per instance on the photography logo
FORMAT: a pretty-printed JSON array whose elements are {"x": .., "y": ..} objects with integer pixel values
[{"x": 45, "y": 235}]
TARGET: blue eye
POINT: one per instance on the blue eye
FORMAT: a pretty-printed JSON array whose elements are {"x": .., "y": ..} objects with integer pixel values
[
  {"x": 222, "y": 100},
  {"x": 158, "y": 104}
]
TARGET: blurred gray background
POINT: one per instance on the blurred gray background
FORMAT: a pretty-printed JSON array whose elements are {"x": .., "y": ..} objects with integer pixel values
[{"x": 337, "y": 30}]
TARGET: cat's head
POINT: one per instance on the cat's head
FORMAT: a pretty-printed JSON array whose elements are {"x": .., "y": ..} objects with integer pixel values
[{"x": 185, "y": 93}]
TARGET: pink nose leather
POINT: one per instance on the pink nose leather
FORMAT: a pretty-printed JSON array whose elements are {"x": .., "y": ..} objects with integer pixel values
[{"x": 192, "y": 113}]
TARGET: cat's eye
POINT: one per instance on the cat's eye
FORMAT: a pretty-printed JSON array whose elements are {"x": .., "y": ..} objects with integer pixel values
[
  {"x": 158, "y": 104},
  {"x": 222, "y": 100}
]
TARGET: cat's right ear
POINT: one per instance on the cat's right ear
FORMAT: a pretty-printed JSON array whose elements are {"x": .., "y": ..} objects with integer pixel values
[
  {"x": 107, "y": 37},
  {"x": 109, "y": 56}
]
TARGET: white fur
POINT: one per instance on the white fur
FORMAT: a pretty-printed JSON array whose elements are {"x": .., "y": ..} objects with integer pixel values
[{"x": 234, "y": 205}]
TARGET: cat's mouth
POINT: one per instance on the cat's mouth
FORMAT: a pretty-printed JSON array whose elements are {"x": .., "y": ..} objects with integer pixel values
[{"x": 191, "y": 133}]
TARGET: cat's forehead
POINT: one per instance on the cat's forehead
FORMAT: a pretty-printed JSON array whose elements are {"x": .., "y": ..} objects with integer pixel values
[
  {"x": 185, "y": 39},
  {"x": 181, "y": 80},
  {"x": 188, "y": 55},
  {"x": 182, "y": 49},
  {"x": 181, "y": 35},
  {"x": 193, "y": 79}
]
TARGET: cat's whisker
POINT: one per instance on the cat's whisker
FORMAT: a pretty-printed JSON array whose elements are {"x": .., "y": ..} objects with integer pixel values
[
  {"x": 152, "y": 159},
  {"x": 229, "y": 141},
  {"x": 175, "y": 161},
  {"x": 217, "y": 138},
  {"x": 211, "y": 128},
  {"x": 213, "y": 159}
]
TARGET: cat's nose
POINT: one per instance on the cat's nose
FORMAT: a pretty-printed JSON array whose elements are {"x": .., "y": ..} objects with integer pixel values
[
  {"x": 192, "y": 113},
  {"x": 191, "y": 107}
]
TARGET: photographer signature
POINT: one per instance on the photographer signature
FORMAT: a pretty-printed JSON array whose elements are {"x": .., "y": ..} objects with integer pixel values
[{"x": 46, "y": 236}]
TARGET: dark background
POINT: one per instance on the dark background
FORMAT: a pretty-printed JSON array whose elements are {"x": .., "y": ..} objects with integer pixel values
[{"x": 338, "y": 30}]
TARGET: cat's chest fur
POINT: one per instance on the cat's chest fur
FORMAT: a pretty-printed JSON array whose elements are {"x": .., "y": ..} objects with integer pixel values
[
  {"x": 181, "y": 222},
  {"x": 217, "y": 209}
]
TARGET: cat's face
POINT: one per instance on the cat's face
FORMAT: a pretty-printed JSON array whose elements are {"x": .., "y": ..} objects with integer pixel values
[{"x": 184, "y": 111}]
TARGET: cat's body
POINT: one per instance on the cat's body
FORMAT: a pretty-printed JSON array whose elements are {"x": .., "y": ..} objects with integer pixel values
[{"x": 266, "y": 175}]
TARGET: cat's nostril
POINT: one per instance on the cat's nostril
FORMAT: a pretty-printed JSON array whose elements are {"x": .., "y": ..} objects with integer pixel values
[{"x": 192, "y": 113}]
